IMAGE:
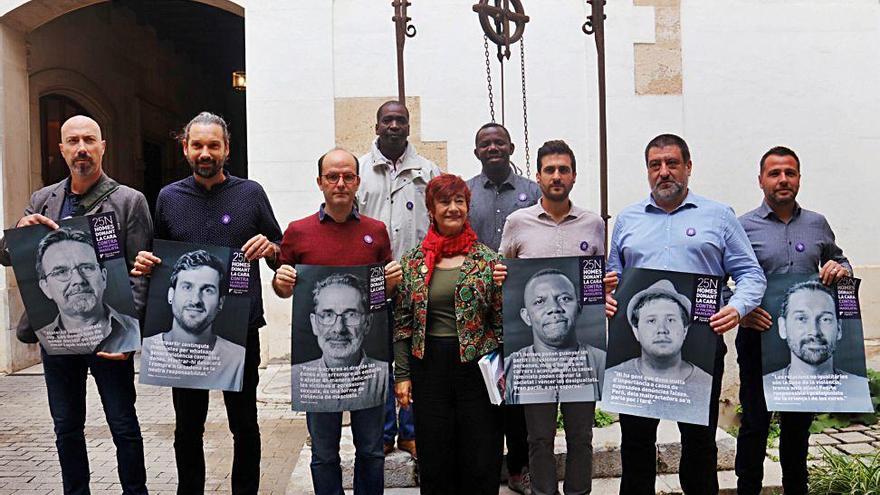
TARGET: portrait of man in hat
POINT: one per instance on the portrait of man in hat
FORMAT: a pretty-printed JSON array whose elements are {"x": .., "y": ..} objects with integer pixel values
[{"x": 660, "y": 318}]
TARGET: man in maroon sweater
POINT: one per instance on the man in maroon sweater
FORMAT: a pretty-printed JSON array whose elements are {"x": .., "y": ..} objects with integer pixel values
[{"x": 337, "y": 235}]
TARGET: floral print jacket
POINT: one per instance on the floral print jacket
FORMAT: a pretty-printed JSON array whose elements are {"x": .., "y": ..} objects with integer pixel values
[{"x": 478, "y": 315}]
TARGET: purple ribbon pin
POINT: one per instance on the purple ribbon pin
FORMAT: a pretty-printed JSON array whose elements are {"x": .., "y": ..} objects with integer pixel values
[
  {"x": 584, "y": 245},
  {"x": 225, "y": 219},
  {"x": 368, "y": 238},
  {"x": 523, "y": 197},
  {"x": 799, "y": 247},
  {"x": 409, "y": 205},
  {"x": 691, "y": 232}
]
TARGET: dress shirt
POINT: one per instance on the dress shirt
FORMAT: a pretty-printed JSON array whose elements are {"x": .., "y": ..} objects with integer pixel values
[
  {"x": 394, "y": 193},
  {"x": 532, "y": 233},
  {"x": 799, "y": 246},
  {"x": 491, "y": 205},
  {"x": 700, "y": 236}
]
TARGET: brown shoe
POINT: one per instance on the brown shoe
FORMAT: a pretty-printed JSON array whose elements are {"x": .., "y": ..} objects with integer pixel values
[
  {"x": 388, "y": 448},
  {"x": 408, "y": 446}
]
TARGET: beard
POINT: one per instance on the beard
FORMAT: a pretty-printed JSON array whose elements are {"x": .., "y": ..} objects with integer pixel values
[
  {"x": 556, "y": 196},
  {"x": 667, "y": 193},
  {"x": 194, "y": 325},
  {"x": 83, "y": 168},
  {"x": 815, "y": 356},
  {"x": 198, "y": 167},
  {"x": 81, "y": 303}
]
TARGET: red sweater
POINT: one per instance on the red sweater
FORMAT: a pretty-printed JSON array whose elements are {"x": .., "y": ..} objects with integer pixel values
[{"x": 355, "y": 242}]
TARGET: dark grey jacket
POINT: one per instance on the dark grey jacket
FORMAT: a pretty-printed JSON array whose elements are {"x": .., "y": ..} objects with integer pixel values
[{"x": 135, "y": 230}]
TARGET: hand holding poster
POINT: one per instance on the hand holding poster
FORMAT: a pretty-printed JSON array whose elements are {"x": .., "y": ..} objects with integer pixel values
[
  {"x": 661, "y": 349},
  {"x": 197, "y": 317},
  {"x": 75, "y": 287},
  {"x": 554, "y": 330},
  {"x": 341, "y": 341},
  {"x": 814, "y": 353}
]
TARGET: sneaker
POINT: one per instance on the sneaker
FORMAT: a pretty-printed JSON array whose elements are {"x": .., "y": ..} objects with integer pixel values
[
  {"x": 520, "y": 483},
  {"x": 388, "y": 448},
  {"x": 408, "y": 446}
]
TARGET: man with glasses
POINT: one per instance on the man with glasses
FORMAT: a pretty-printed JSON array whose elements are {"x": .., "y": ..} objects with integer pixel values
[
  {"x": 341, "y": 322},
  {"x": 337, "y": 235}
]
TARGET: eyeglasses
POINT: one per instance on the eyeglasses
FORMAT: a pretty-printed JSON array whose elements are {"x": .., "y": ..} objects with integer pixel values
[
  {"x": 64, "y": 273},
  {"x": 350, "y": 318},
  {"x": 333, "y": 178}
]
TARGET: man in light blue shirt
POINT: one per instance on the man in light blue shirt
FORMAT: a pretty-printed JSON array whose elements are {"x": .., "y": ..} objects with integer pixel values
[{"x": 677, "y": 230}]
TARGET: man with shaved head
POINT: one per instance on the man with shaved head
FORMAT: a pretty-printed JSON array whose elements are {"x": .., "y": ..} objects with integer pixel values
[{"x": 87, "y": 191}]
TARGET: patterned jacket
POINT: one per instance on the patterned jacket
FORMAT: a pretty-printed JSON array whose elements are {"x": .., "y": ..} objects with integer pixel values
[{"x": 478, "y": 315}]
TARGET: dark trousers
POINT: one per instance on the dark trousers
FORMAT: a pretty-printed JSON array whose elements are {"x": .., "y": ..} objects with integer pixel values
[
  {"x": 516, "y": 438},
  {"x": 460, "y": 438},
  {"x": 66, "y": 384},
  {"x": 751, "y": 444},
  {"x": 699, "y": 454},
  {"x": 578, "y": 420},
  {"x": 191, "y": 411}
]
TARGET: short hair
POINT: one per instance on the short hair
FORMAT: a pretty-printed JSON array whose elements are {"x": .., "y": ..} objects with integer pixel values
[
  {"x": 556, "y": 147},
  {"x": 446, "y": 186},
  {"x": 779, "y": 151},
  {"x": 196, "y": 259},
  {"x": 814, "y": 285},
  {"x": 487, "y": 126},
  {"x": 685, "y": 316},
  {"x": 56, "y": 236},
  {"x": 348, "y": 280},
  {"x": 357, "y": 163},
  {"x": 548, "y": 271},
  {"x": 207, "y": 118},
  {"x": 664, "y": 140},
  {"x": 388, "y": 104}
]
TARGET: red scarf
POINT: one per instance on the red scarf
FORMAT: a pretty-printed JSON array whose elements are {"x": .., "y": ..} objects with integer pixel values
[{"x": 437, "y": 246}]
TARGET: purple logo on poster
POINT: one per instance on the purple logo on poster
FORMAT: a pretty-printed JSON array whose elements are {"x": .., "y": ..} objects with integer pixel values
[
  {"x": 368, "y": 238},
  {"x": 691, "y": 232},
  {"x": 585, "y": 245},
  {"x": 225, "y": 219},
  {"x": 523, "y": 197},
  {"x": 592, "y": 273},
  {"x": 239, "y": 273},
  {"x": 799, "y": 247},
  {"x": 377, "y": 288},
  {"x": 104, "y": 234},
  {"x": 848, "y": 299},
  {"x": 706, "y": 299},
  {"x": 409, "y": 205}
]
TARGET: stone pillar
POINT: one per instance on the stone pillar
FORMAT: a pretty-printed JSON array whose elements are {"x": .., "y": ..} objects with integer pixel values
[
  {"x": 15, "y": 190},
  {"x": 290, "y": 121}
]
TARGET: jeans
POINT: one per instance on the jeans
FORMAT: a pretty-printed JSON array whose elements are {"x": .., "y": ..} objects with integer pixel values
[
  {"x": 699, "y": 454},
  {"x": 369, "y": 458},
  {"x": 66, "y": 384},
  {"x": 460, "y": 437},
  {"x": 541, "y": 424},
  {"x": 751, "y": 444},
  {"x": 394, "y": 419},
  {"x": 191, "y": 411}
]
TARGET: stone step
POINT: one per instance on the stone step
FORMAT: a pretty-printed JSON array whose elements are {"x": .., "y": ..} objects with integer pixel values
[{"x": 400, "y": 469}]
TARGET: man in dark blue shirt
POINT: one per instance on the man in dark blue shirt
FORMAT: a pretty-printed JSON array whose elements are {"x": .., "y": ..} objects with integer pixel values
[{"x": 213, "y": 207}]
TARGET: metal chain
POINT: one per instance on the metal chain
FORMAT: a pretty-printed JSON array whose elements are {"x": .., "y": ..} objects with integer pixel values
[
  {"x": 489, "y": 79},
  {"x": 522, "y": 64}
]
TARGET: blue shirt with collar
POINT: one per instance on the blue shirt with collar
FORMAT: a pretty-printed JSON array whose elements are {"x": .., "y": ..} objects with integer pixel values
[
  {"x": 491, "y": 204},
  {"x": 700, "y": 236}
]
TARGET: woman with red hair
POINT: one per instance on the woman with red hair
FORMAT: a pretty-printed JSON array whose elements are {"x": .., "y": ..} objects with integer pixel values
[{"x": 448, "y": 315}]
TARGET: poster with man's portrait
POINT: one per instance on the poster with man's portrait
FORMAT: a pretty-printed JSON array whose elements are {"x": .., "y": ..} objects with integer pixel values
[
  {"x": 661, "y": 350},
  {"x": 554, "y": 330},
  {"x": 197, "y": 317},
  {"x": 341, "y": 345},
  {"x": 813, "y": 355},
  {"x": 75, "y": 286}
]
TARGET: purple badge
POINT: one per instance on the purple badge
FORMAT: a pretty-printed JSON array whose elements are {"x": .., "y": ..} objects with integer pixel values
[
  {"x": 584, "y": 245},
  {"x": 409, "y": 205},
  {"x": 368, "y": 238},
  {"x": 799, "y": 247},
  {"x": 523, "y": 197},
  {"x": 225, "y": 219},
  {"x": 691, "y": 232}
]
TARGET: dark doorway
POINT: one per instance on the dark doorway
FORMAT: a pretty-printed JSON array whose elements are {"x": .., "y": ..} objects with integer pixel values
[{"x": 54, "y": 111}]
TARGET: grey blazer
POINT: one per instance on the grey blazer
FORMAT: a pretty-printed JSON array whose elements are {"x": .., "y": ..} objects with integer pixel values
[{"x": 132, "y": 216}]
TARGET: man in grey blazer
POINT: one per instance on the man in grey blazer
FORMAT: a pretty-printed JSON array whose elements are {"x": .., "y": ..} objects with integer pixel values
[{"x": 86, "y": 191}]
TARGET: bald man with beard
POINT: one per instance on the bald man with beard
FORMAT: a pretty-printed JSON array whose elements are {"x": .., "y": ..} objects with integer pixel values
[{"x": 87, "y": 191}]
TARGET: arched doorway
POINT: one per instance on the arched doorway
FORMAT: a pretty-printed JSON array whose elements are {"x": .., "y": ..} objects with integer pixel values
[{"x": 54, "y": 110}]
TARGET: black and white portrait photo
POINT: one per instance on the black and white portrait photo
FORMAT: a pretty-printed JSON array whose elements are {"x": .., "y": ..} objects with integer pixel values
[
  {"x": 341, "y": 340},
  {"x": 75, "y": 286},
  {"x": 660, "y": 349},
  {"x": 813, "y": 358},
  {"x": 195, "y": 329},
  {"x": 554, "y": 342}
]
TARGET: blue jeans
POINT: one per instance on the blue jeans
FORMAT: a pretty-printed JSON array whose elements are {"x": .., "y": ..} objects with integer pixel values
[
  {"x": 392, "y": 419},
  {"x": 66, "y": 383},
  {"x": 369, "y": 465}
]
